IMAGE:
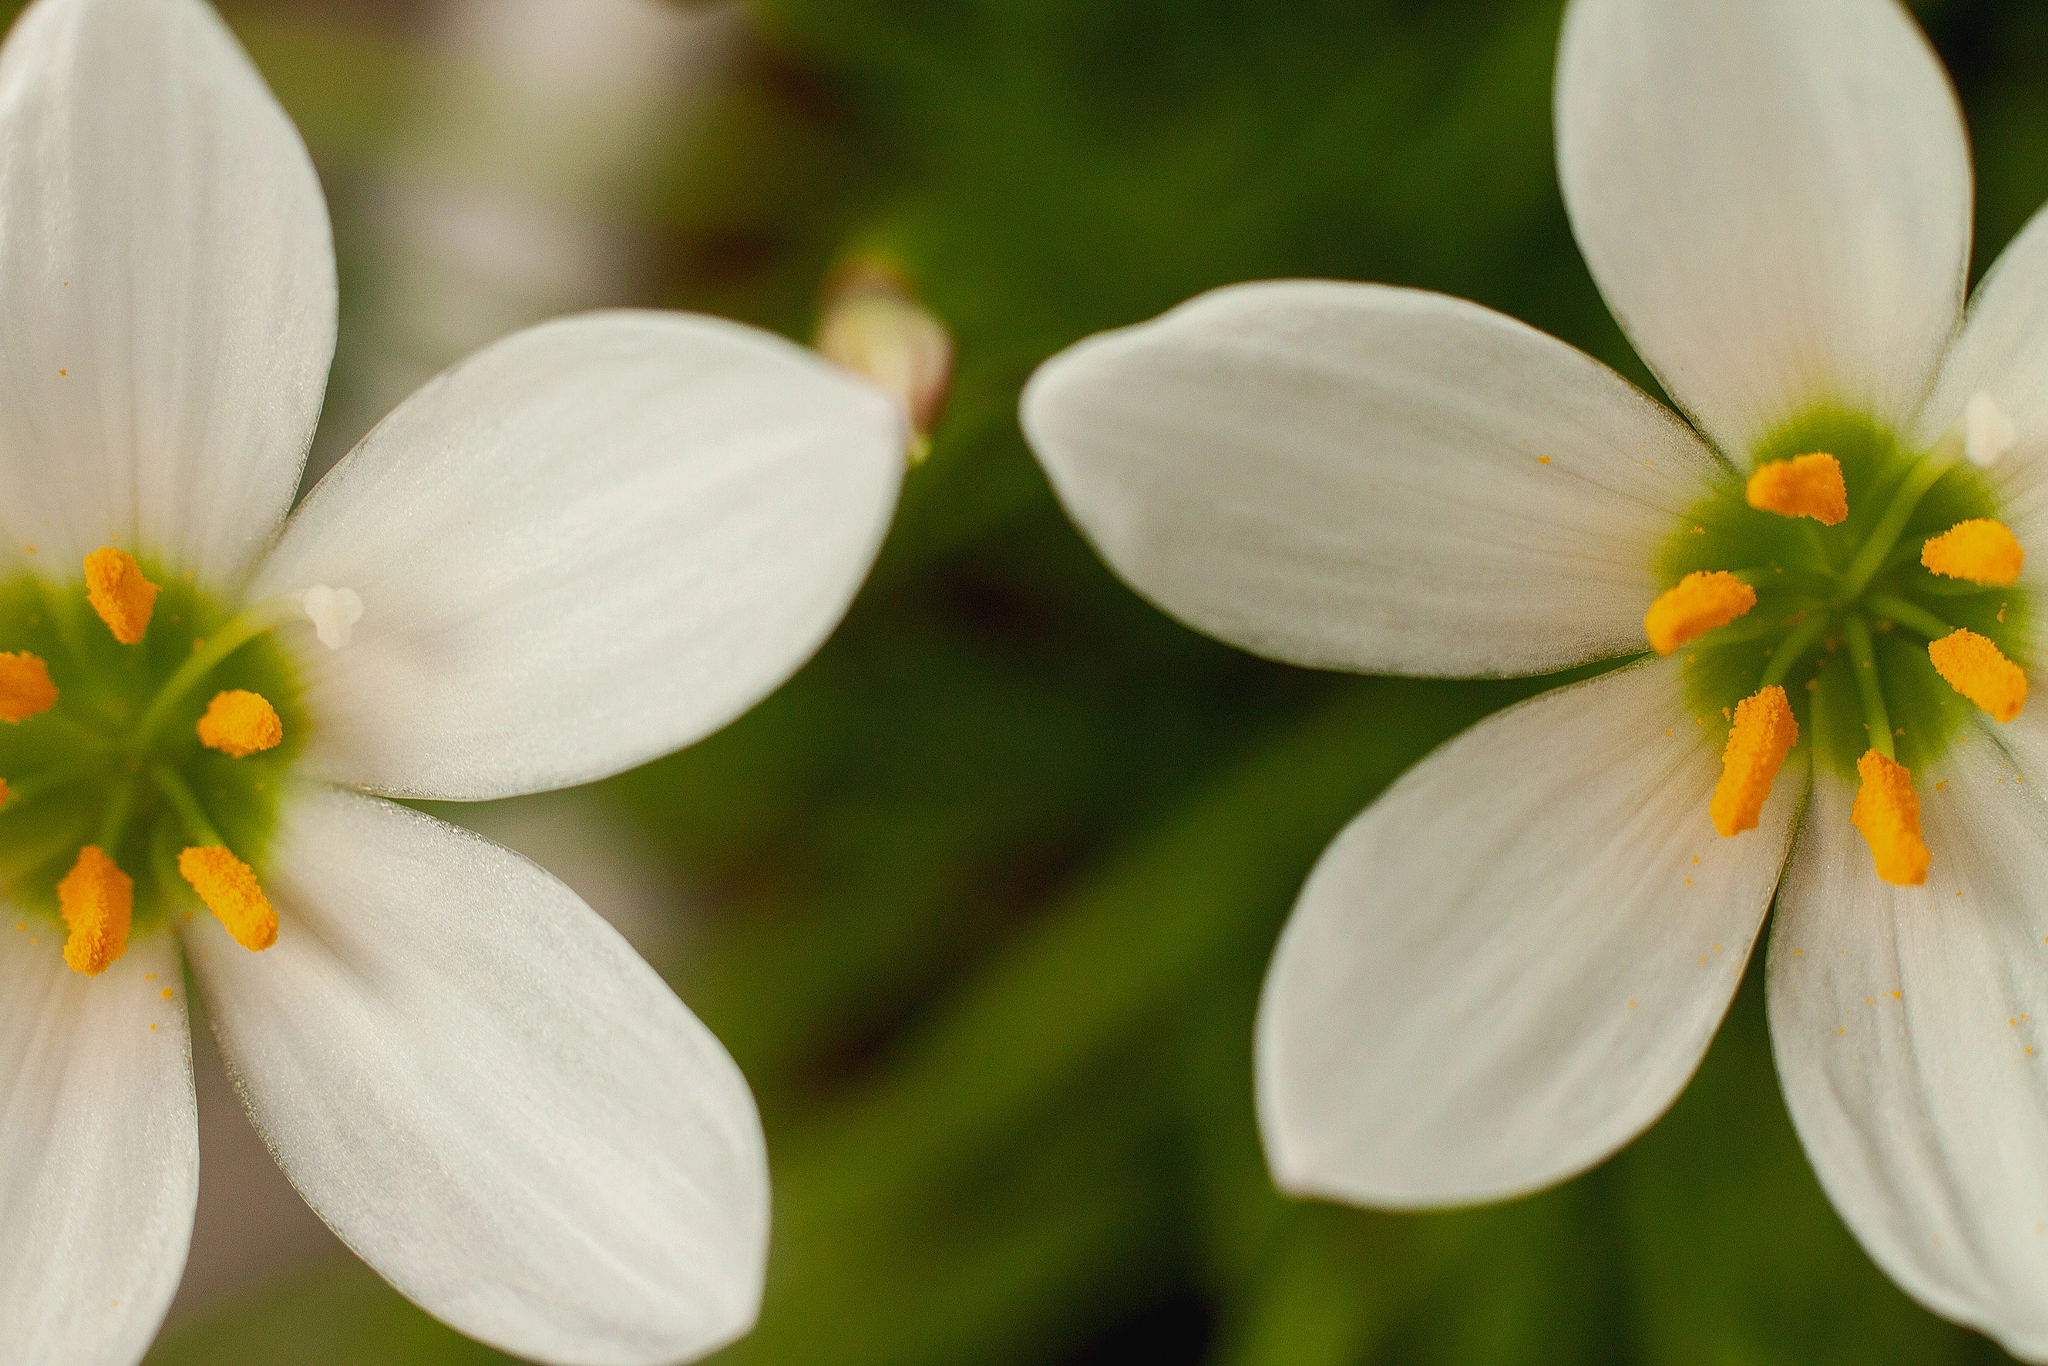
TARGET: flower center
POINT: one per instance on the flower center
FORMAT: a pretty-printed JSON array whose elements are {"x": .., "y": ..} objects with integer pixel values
[
  {"x": 147, "y": 734},
  {"x": 1854, "y": 597}
]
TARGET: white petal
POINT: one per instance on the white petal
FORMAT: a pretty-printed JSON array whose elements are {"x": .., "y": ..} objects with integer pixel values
[
  {"x": 1368, "y": 478},
  {"x": 589, "y": 544},
  {"x": 99, "y": 1149},
  {"x": 1774, "y": 198},
  {"x": 484, "y": 1092},
  {"x": 167, "y": 278},
  {"x": 1911, "y": 1031},
  {"x": 1515, "y": 959},
  {"x": 2002, "y": 357}
]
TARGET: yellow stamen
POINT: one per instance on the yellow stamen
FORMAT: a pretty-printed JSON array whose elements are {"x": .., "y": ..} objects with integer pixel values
[
  {"x": 119, "y": 593},
  {"x": 1804, "y": 486},
  {"x": 1887, "y": 811},
  {"x": 1763, "y": 735},
  {"x": 228, "y": 887},
  {"x": 1975, "y": 667},
  {"x": 98, "y": 902},
  {"x": 1700, "y": 603},
  {"x": 25, "y": 687},
  {"x": 1980, "y": 550},
  {"x": 240, "y": 724}
]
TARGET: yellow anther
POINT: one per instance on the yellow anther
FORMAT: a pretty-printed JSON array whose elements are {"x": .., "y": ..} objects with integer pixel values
[
  {"x": 1979, "y": 550},
  {"x": 240, "y": 724},
  {"x": 228, "y": 887},
  {"x": 1699, "y": 604},
  {"x": 119, "y": 593},
  {"x": 1887, "y": 811},
  {"x": 25, "y": 687},
  {"x": 1975, "y": 667},
  {"x": 98, "y": 902},
  {"x": 1763, "y": 735},
  {"x": 1804, "y": 486}
]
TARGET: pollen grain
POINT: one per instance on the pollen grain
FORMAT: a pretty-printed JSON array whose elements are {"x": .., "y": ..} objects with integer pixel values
[
  {"x": 1804, "y": 486},
  {"x": 25, "y": 687},
  {"x": 98, "y": 903},
  {"x": 120, "y": 594},
  {"x": 1763, "y": 734},
  {"x": 240, "y": 723},
  {"x": 229, "y": 888},
  {"x": 1977, "y": 669},
  {"x": 1700, "y": 603},
  {"x": 1980, "y": 550},
  {"x": 1887, "y": 812}
]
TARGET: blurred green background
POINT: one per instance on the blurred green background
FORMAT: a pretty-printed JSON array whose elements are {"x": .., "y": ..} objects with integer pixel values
[{"x": 981, "y": 900}]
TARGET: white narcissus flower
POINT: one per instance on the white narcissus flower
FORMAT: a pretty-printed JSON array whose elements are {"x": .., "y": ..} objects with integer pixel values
[
  {"x": 1513, "y": 961},
  {"x": 588, "y": 545}
]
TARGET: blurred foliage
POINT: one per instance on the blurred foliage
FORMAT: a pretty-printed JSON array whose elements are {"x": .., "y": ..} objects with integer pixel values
[{"x": 996, "y": 877}]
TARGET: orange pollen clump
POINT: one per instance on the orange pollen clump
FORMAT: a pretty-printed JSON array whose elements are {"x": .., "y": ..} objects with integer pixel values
[
  {"x": 1700, "y": 603},
  {"x": 25, "y": 687},
  {"x": 1887, "y": 811},
  {"x": 1763, "y": 735},
  {"x": 123, "y": 598},
  {"x": 98, "y": 902},
  {"x": 1979, "y": 550},
  {"x": 1804, "y": 486},
  {"x": 240, "y": 724},
  {"x": 1975, "y": 667},
  {"x": 228, "y": 887}
]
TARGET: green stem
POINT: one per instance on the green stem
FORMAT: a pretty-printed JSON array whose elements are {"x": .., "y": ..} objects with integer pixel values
[
  {"x": 1906, "y": 614},
  {"x": 114, "y": 823},
  {"x": 1737, "y": 633},
  {"x": 163, "y": 860},
  {"x": 1863, "y": 662},
  {"x": 1878, "y": 546},
  {"x": 239, "y": 631},
  {"x": 75, "y": 732},
  {"x": 1796, "y": 644},
  {"x": 28, "y": 789},
  {"x": 19, "y": 860},
  {"x": 1936, "y": 586},
  {"x": 186, "y": 805}
]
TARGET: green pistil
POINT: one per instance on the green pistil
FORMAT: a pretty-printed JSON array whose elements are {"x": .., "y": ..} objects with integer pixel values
[
  {"x": 1844, "y": 613},
  {"x": 209, "y": 655},
  {"x": 1877, "y": 547},
  {"x": 186, "y": 805},
  {"x": 1797, "y": 642},
  {"x": 117, "y": 762},
  {"x": 1863, "y": 659},
  {"x": 1909, "y": 615}
]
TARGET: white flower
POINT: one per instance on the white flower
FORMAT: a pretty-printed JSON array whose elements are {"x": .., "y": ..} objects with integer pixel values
[
  {"x": 588, "y": 545},
  {"x": 1514, "y": 960}
]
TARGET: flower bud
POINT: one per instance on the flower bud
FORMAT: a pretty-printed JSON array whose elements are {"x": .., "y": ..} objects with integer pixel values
[{"x": 873, "y": 326}]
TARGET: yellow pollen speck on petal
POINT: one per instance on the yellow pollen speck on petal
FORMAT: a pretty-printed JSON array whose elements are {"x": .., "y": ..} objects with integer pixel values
[
  {"x": 1804, "y": 486},
  {"x": 118, "y": 592},
  {"x": 1980, "y": 550},
  {"x": 1887, "y": 812},
  {"x": 1700, "y": 603},
  {"x": 1975, "y": 667},
  {"x": 1763, "y": 734},
  {"x": 98, "y": 902},
  {"x": 239, "y": 724},
  {"x": 228, "y": 887},
  {"x": 25, "y": 687}
]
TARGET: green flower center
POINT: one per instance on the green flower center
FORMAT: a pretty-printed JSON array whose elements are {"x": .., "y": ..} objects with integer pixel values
[
  {"x": 117, "y": 762},
  {"x": 1844, "y": 614}
]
